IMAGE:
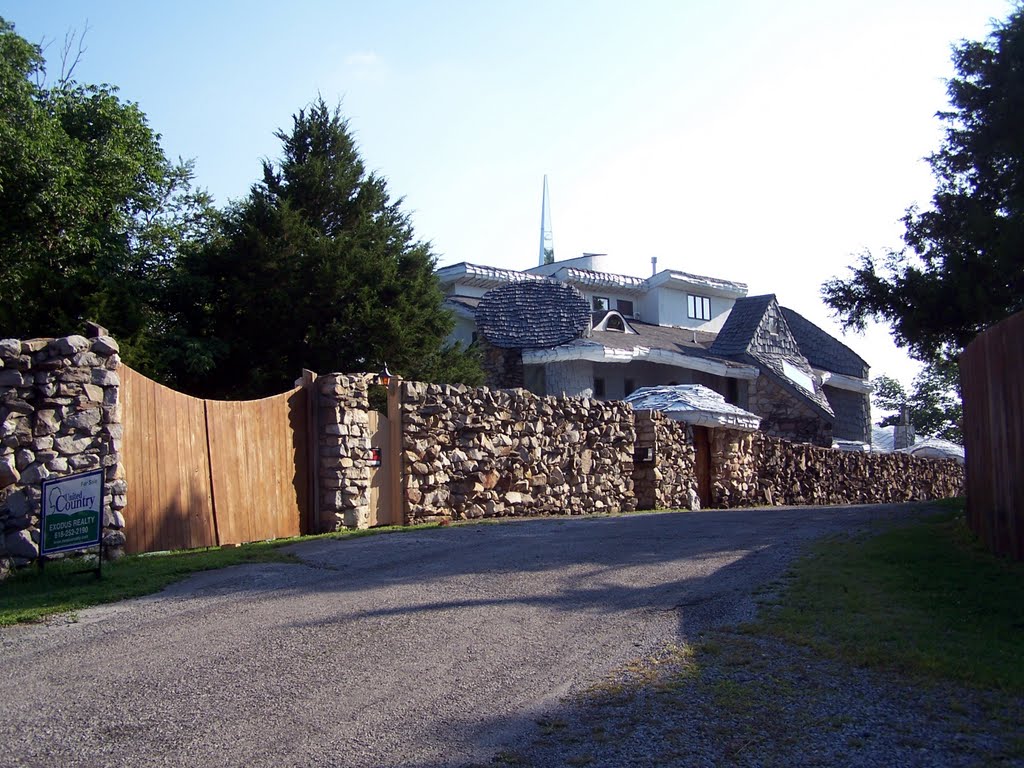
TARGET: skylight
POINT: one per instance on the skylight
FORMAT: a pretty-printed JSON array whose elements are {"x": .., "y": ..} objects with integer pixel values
[{"x": 798, "y": 377}]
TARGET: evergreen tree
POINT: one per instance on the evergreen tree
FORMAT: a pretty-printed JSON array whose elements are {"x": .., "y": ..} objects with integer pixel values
[
  {"x": 318, "y": 268},
  {"x": 961, "y": 267}
]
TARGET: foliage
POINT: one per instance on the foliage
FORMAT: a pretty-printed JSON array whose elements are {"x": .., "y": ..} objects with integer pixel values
[
  {"x": 960, "y": 268},
  {"x": 934, "y": 402},
  {"x": 91, "y": 211},
  {"x": 924, "y": 598},
  {"x": 318, "y": 268}
]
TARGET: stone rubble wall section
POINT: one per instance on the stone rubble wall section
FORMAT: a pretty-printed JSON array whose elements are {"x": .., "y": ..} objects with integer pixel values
[
  {"x": 754, "y": 469},
  {"x": 669, "y": 481},
  {"x": 344, "y": 451},
  {"x": 786, "y": 416},
  {"x": 473, "y": 453},
  {"x": 59, "y": 415}
]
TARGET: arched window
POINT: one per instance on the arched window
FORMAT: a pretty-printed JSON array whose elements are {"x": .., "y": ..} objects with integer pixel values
[{"x": 615, "y": 323}]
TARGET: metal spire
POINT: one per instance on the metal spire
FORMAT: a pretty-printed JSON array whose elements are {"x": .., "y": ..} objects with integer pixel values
[{"x": 547, "y": 241}]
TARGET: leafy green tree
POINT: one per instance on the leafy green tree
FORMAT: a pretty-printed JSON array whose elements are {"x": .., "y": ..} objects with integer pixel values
[
  {"x": 318, "y": 268},
  {"x": 933, "y": 403},
  {"x": 91, "y": 211},
  {"x": 961, "y": 268}
]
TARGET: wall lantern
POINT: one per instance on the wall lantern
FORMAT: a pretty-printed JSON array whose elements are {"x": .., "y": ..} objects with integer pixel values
[{"x": 384, "y": 377}]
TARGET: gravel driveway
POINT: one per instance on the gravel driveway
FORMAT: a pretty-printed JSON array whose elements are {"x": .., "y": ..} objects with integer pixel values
[{"x": 429, "y": 648}]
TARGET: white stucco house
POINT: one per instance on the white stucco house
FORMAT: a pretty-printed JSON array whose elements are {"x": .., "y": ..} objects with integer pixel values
[{"x": 605, "y": 335}]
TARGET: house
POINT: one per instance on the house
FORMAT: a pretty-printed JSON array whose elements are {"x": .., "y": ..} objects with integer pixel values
[{"x": 572, "y": 327}]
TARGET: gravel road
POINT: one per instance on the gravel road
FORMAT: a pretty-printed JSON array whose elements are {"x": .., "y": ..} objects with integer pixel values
[{"x": 434, "y": 647}]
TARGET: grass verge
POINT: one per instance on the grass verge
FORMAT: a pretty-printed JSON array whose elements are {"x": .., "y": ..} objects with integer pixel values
[
  {"x": 29, "y": 595},
  {"x": 924, "y": 599}
]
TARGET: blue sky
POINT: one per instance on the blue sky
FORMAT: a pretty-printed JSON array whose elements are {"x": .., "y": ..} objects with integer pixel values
[{"x": 762, "y": 142}]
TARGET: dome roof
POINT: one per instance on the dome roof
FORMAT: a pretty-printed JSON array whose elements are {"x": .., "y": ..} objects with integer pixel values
[{"x": 532, "y": 315}]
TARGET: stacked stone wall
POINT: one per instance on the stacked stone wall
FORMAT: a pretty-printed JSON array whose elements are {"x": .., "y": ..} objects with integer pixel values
[
  {"x": 472, "y": 453},
  {"x": 503, "y": 368},
  {"x": 344, "y": 451},
  {"x": 754, "y": 469},
  {"x": 668, "y": 480},
  {"x": 59, "y": 415}
]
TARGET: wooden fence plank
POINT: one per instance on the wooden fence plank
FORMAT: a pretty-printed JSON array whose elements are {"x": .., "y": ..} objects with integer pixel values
[
  {"x": 259, "y": 466},
  {"x": 991, "y": 371},
  {"x": 166, "y": 467}
]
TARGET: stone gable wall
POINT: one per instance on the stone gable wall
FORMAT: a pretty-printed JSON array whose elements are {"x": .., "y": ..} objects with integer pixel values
[
  {"x": 59, "y": 415},
  {"x": 786, "y": 416},
  {"x": 471, "y": 453}
]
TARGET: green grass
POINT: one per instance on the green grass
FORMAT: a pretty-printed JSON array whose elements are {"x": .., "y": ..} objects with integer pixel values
[
  {"x": 924, "y": 599},
  {"x": 30, "y": 595}
]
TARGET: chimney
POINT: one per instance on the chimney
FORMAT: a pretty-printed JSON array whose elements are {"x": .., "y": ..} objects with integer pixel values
[
  {"x": 654, "y": 265},
  {"x": 903, "y": 433}
]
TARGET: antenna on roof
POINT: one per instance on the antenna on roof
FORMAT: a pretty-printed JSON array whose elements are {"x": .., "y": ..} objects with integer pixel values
[{"x": 547, "y": 240}]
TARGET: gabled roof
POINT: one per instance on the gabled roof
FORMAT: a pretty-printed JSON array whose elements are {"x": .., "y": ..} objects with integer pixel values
[
  {"x": 757, "y": 331},
  {"x": 741, "y": 325},
  {"x": 822, "y": 350},
  {"x": 532, "y": 315}
]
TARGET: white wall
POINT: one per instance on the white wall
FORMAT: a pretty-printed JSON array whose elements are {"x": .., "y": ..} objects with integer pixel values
[{"x": 671, "y": 307}]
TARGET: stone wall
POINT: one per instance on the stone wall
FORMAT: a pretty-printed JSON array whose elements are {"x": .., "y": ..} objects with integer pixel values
[
  {"x": 754, "y": 469},
  {"x": 785, "y": 415},
  {"x": 344, "y": 451},
  {"x": 668, "y": 480},
  {"x": 59, "y": 415},
  {"x": 503, "y": 368},
  {"x": 471, "y": 453}
]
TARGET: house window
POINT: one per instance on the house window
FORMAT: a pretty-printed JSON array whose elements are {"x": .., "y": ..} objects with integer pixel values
[
  {"x": 600, "y": 303},
  {"x": 699, "y": 307},
  {"x": 629, "y": 386},
  {"x": 624, "y": 306},
  {"x": 615, "y": 323},
  {"x": 598, "y": 387}
]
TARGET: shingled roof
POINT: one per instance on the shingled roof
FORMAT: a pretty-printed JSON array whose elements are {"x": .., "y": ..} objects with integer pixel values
[
  {"x": 532, "y": 315},
  {"x": 822, "y": 350},
  {"x": 741, "y": 325},
  {"x": 694, "y": 404}
]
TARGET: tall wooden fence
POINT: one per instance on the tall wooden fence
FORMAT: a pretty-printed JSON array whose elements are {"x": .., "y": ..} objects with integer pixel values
[
  {"x": 992, "y": 382},
  {"x": 204, "y": 473}
]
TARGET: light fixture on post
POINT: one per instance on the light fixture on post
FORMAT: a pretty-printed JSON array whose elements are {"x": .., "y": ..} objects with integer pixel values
[{"x": 384, "y": 377}]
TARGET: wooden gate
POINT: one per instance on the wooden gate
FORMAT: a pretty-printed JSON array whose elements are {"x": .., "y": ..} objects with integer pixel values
[
  {"x": 386, "y": 498},
  {"x": 702, "y": 449},
  {"x": 204, "y": 473}
]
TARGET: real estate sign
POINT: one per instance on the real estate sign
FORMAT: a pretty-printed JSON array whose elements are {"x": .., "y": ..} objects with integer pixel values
[{"x": 72, "y": 512}]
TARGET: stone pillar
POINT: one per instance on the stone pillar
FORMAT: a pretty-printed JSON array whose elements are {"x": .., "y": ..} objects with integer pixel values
[
  {"x": 59, "y": 415},
  {"x": 344, "y": 451}
]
